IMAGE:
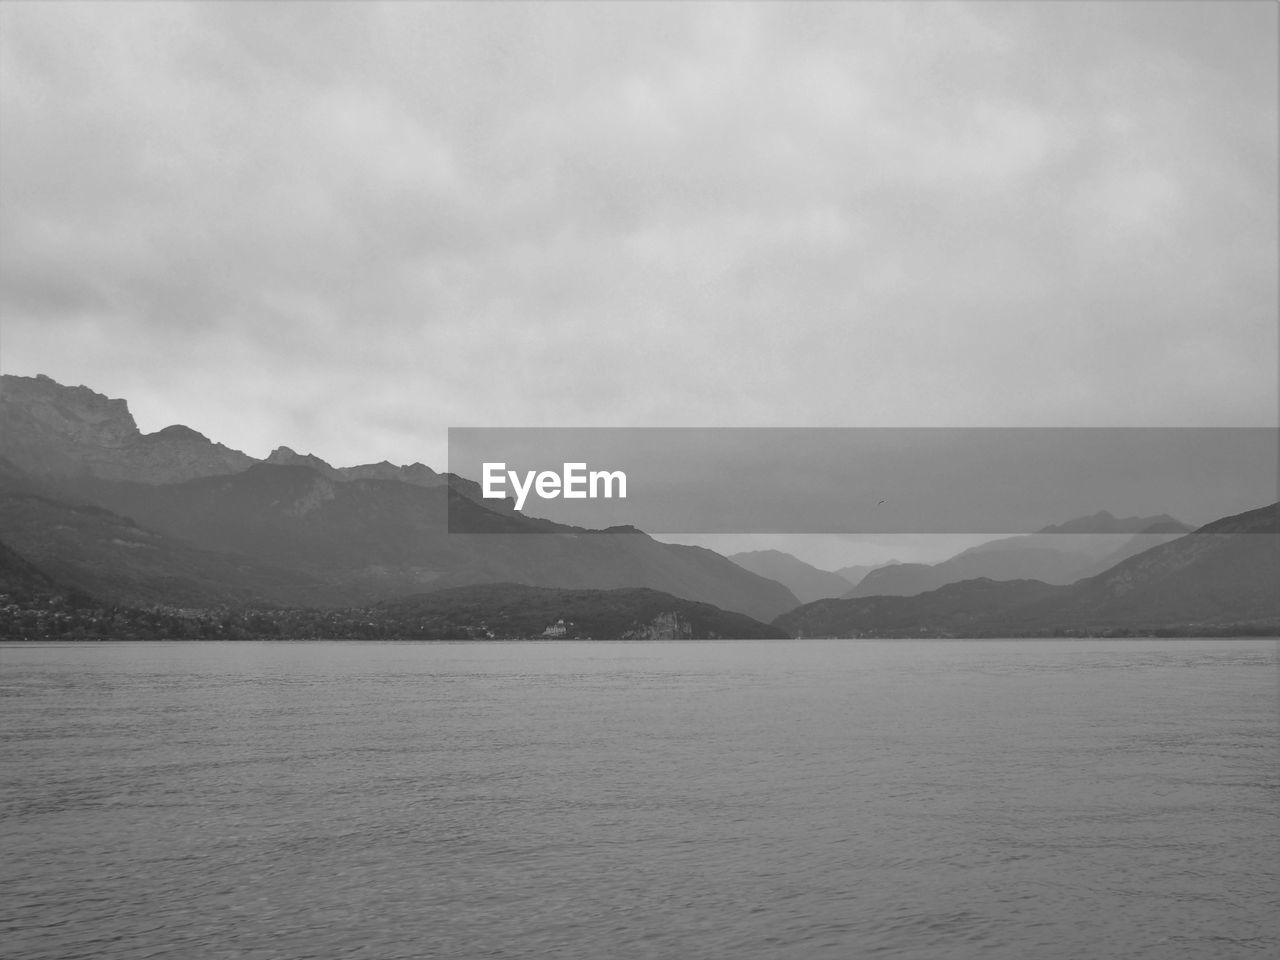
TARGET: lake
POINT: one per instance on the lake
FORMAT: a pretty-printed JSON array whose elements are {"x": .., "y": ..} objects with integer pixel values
[{"x": 753, "y": 799}]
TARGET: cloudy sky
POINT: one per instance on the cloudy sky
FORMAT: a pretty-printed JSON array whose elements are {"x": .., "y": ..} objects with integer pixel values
[{"x": 347, "y": 227}]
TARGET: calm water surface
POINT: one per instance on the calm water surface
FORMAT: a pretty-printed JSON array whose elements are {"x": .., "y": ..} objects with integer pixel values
[{"x": 804, "y": 799}]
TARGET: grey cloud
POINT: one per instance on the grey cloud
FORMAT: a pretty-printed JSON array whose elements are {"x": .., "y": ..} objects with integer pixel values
[{"x": 648, "y": 214}]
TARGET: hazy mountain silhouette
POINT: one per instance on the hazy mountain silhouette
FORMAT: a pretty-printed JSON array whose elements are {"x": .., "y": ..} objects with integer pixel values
[
  {"x": 855, "y": 573},
  {"x": 806, "y": 581},
  {"x": 1224, "y": 573},
  {"x": 1227, "y": 570},
  {"x": 1057, "y": 554}
]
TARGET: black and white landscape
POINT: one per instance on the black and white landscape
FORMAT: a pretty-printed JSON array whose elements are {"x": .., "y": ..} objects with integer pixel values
[
  {"x": 265, "y": 266},
  {"x": 177, "y": 523}
]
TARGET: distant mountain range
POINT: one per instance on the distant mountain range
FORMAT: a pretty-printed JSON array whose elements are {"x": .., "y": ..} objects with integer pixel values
[
  {"x": 174, "y": 518},
  {"x": 1056, "y": 554},
  {"x": 1224, "y": 574},
  {"x": 806, "y": 581},
  {"x": 106, "y": 531},
  {"x": 856, "y": 573}
]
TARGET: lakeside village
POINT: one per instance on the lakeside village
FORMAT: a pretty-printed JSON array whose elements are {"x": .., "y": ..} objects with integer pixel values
[{"x": 77, "y": 616}]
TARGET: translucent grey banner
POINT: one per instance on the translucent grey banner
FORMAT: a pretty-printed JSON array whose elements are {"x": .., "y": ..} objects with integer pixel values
[{"x": 853, "y": 480}]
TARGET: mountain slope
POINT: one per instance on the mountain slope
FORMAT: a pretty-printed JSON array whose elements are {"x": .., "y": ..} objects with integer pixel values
[
  {"x": 1226, "y": 570},
  {"x": 365, "y": 533},
  {"x": 99, "y": 552},
  {"x": 1057, "y": 554},
  {"x": 375, "y": 539},
  {"x": 807, "y": 582},
  {"x": 1224, "y": 573},
  {"x": 973, "y": 607},
  {"x": 856, "y": 573},
  {"x": 21, "y": 578}
]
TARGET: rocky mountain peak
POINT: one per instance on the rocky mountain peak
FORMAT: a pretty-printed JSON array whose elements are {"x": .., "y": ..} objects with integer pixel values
[
  {"x": 60, "y": 431},
  {"x": 74, "y": 414},
  {"x": 287, "y": 457},
  {"x": 177, "y": 431}
]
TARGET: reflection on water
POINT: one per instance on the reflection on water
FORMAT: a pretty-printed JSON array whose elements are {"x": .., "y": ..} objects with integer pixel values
[{"x": 803, "y": 799}]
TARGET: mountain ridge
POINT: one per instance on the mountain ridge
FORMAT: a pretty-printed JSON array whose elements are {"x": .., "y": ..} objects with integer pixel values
[
  {"x": 370, "y": 532},
  {"x": 174, "y": 519},
  {"x": 1058, "y": 554},
  {"x": 1221, "y": 574},
  {"x": 806, "y": 581}
]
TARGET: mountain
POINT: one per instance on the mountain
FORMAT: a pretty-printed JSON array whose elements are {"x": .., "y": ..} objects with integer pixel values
[
  {"x": 384, "y": 538},
  {"x": 1221, "y": 576},
  {"x": 418, "y": 474},
  {"x": 856, "y": 572},
  {"x": 1227, "y": 570},
  {"x": 807, "y": 582},
  {"x": 50, "y": 429},
  {"x": 1056, "y": 554},
  {"x": 55, "y": 432},
  {"x": 171, "y": 519},
  {"x": 980, "y": 607},
  {"x": 900, "y": 580},
  {"x": 21, "y": 578},
  {"x": 91, "y": 549}
]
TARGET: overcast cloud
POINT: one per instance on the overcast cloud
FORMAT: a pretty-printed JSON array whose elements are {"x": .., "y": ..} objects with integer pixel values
[{"x": 347, "y": 227}]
